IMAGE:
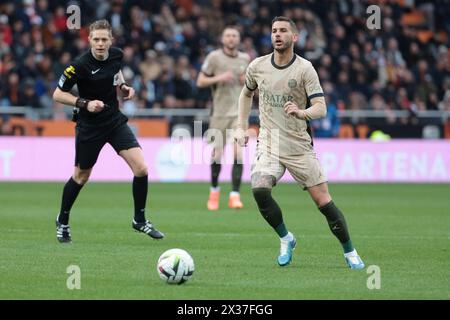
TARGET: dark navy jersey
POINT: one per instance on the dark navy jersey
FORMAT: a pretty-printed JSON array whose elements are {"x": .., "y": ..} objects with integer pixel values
[{"x": 96, "y": 80}]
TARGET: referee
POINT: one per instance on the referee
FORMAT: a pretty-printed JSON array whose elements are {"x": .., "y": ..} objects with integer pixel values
[{"x": 97, "y": 73}]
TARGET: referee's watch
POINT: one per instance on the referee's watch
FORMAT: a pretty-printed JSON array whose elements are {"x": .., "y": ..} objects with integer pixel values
[{"x": 81, "y": 103}]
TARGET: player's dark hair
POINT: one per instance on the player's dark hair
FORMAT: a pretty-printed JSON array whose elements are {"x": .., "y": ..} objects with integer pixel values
[
  {"x": 100, "y": 25},
  {"x": 286, "y": 19}
]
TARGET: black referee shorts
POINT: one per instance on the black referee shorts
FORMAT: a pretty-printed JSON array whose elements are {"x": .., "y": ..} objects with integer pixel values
[{"x": 88, "y": 144}]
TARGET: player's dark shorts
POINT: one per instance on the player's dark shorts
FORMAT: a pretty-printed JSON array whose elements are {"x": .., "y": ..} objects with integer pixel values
[{"x": 88, "y": 144}]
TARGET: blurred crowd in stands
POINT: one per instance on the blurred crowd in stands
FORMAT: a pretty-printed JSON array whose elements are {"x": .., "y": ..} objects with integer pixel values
[{"x": 403, "y": 65}]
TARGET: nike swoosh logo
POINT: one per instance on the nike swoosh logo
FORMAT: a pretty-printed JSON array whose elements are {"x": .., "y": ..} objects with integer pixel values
[{"x": 94, "y": 72}]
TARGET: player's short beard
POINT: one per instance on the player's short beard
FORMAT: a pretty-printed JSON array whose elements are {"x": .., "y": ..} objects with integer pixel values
[
  {"x": 283, "y": 49},
  {"x": 230, "y": 47}
]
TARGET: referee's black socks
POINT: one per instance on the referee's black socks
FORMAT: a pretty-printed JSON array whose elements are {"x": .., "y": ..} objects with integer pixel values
[
  {"x": 70, "y": 193},
  {"x": 140, "y": 189}
]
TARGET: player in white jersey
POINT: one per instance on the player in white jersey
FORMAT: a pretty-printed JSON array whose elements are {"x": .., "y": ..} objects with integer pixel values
[
  {"x": 224, "y": 71},
  {"x": 290, "y": 95}
]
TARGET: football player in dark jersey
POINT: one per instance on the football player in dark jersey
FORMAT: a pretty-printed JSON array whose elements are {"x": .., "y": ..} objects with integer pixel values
[{"x": 97, "y": 73}]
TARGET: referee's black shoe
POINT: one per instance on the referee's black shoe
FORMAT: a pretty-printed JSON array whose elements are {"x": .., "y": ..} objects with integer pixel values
[
  {"x": 147, "y": 228},
  {"x": 63, "y": 233}
]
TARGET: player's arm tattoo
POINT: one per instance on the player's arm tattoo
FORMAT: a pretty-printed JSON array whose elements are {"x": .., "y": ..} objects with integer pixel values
[{"x": 261, "y": 180}]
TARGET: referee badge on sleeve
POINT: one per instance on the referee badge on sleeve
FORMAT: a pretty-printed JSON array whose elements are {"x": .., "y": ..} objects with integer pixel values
[
  {"x": 116, "y": 79},
  {"x": 62, "y": 80}
]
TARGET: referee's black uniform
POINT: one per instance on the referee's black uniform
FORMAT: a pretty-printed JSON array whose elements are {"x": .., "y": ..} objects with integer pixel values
[{"x": 97, "y": 80}]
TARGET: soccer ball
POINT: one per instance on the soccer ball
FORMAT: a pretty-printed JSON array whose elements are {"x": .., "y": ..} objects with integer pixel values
[{"x": 175, "y": 266}]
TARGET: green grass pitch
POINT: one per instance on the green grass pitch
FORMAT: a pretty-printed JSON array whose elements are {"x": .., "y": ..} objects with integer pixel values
[{"x": 403, "y": 229}]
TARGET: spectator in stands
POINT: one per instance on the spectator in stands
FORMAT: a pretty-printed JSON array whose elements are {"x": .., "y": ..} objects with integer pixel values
[
  {"x": 444, "y": 105},
  {"x": 327, "y": 127},
  {"x": 27, "y": 95},
  {"x": 184, "y": 91},
  {"x": 165, "y": 90},
  {"x": 10, "y": 92},
  {"x": 150, "y": 68}
]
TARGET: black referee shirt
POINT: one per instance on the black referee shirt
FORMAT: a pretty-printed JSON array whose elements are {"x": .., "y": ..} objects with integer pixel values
[{"x": 96, "y": 80}]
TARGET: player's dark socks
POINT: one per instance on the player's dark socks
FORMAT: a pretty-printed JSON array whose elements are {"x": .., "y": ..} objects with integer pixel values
[
  {"x": 236, "y": 175},
  {"x": 70, "y": 193},
  {"x": 215, "y": 171},
  {"x": 337, "y": 224},
  {"x": 140, "y": 189},
  {"x": 282, "y": 230},
  {"x": 348, "y": 246},
  {"x": 269, "y": 209}
]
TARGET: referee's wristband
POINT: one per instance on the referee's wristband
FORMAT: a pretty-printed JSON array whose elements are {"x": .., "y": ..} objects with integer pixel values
[
  {"x": 123, "y": 84},
  {"x": 81, "y": 103}
]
